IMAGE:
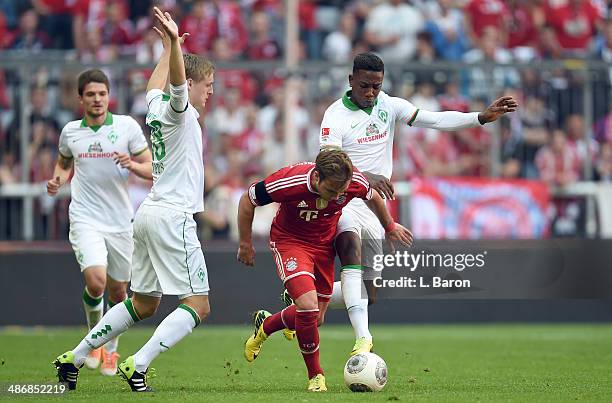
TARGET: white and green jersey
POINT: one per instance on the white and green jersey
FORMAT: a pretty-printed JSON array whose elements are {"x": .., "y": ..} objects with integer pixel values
[
  {"x": 178, "y": 163},
  {"x": 366, "y": 135},
  {"x": 100, "y": 186}
]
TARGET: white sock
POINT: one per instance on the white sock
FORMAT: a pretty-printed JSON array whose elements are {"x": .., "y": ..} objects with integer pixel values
[
  {"x": 116, "y": 321},
  {"x": 170, "y": 331},
  {"x": 354, "y": 292},
  {"x": 337, "y": 301},
  {"x": 94, "y": 307},
  {"x": 113, "y": 344}
]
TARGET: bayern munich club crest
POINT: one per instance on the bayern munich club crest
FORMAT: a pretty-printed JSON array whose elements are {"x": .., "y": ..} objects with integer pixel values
[
  {"x": 291, "y": 264},
  {"x": 341, "y": 199}
]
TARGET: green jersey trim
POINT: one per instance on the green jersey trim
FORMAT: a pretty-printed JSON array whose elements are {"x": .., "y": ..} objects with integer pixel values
[
  {"x": 107, "y": 122},
  {"x": 346, "y": 101},
  {"x": 413, "y": 118}
]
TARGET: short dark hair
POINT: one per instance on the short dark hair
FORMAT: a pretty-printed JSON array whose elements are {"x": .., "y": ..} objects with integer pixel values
[
  {"x": 335, "y": 165},
  {"x": 92, "y": 76},
  {"x": 368, "y": 61}
]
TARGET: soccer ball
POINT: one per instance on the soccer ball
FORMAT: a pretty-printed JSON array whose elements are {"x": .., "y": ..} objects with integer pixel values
[{"x": 365, "y": 372}]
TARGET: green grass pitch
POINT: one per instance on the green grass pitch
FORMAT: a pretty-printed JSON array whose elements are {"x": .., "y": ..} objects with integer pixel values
[{"x": 426, "y": 363}]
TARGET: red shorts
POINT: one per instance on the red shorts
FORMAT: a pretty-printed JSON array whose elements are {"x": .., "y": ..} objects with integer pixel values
[{"x": 304, "y": 269}]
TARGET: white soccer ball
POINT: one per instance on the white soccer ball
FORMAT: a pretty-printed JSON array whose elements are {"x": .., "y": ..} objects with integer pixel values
[{"x": 365, "y": 372}]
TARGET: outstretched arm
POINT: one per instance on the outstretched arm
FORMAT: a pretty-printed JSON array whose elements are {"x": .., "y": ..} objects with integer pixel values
[{"x": 451, "y": 120}]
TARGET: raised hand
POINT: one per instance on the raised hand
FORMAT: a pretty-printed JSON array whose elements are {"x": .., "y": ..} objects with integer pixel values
[
  {"x": 499, "y": 107},
  {"x": 166, "y": 39},
  {"x": 167, "y": 23}
]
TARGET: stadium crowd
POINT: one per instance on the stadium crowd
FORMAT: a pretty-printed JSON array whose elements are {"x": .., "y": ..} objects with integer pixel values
[{"x": 547, "y": 139}]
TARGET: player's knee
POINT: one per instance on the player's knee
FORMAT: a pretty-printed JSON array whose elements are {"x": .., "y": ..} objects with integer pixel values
[
  {"x": 348, "y": 247},
  {"x": 145, "y": 308},
  {"x": 203, "y": 312},
  {"x": 95, "y": 287},
  {"x": 117, "y": 293},
  {"x": 307, "y": 303}
]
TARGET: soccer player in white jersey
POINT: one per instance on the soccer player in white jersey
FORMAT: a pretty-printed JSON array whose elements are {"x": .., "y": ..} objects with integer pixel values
[
  {"x": 103, "y": 149},
  {"x": 167, "y": 256},
  {"x": 362, "y": 123}
]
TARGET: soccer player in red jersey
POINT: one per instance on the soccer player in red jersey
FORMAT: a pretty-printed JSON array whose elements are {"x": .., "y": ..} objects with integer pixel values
[{"x": 311, "y": 197}]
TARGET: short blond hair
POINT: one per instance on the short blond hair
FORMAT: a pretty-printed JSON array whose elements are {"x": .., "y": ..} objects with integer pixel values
[{"x": 197, "y": 67}]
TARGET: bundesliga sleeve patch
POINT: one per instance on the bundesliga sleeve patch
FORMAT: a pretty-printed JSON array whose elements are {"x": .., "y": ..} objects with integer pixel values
[{"x": 325, "y": 133}]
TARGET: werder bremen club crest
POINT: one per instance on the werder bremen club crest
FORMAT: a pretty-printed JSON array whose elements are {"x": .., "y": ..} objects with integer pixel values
[{"x": 372, "y": 129}]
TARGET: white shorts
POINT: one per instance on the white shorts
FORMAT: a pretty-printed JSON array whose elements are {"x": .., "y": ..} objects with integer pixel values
[
  {"x": 358, "y": 218},
  {"x": 110, "y": 249},
  {"x": 168, "y": 257}
]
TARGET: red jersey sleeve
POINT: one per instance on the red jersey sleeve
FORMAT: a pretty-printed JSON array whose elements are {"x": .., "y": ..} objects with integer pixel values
[
  {"x": 360, "y": 187},
  {"x": 286, "y": 184}
]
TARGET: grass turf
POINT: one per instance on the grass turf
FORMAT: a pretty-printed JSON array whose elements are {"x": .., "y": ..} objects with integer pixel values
[{"x": 426, "y": 363}]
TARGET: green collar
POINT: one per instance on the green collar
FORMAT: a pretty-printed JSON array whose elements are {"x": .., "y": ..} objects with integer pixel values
[
  {"x": 107, "y": 122},
  {"x": 346, "y": 100}
]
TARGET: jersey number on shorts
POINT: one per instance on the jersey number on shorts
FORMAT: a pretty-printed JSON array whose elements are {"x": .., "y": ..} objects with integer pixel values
[{"x": 157, "y": 143}]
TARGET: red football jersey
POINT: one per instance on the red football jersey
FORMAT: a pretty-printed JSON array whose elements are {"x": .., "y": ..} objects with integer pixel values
[{"x": 303, "y": 215}]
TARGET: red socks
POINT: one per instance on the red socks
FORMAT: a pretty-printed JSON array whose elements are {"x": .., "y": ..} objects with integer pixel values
[
  {"x": 308, "y": 340},
  {"x": 280, "y": 320},
  {"x": 305, "y": 325}
]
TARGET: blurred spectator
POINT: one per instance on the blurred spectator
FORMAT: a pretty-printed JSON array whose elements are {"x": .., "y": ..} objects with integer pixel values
[
  {"x": 425, "y": 52},
  {"x": 338, "y": 45},
  {"x": 201, "y": 24},
  {"x": 603, "y": 168},
  {"x": 116, "y": 28},
  {"x": 575, "y": 24},
  {"x": 525, "y": 18},
  {"x": 603, "y": 128},
  {"x": 29, "y": 36},
  {"x": 309, "y": 32},
  {"x": 60, "y": 19},
  {"x": 250, "y": 140},
  {"x": 149, "y": 49},
  {"x": 533, "y": 120},
  {"x": 9, "y": 169},
  {"x": 232, "y": 78},
  {"x": 261, "y": 45},
  {"x": 490, "y": 50},
  {"x": 232, "y": 25},
  {"x": 578, "y": 138},
  {"x": 603, "y": 50},
  {"x": 425, "y": 97},
  {"x": 268, "y": 115},
  {"x": 95, "y": 50},
  {"x": 452, "y": 99},
  {"x": 445, "y": 24},
  {"x": 230, "y": 116},
  {"x": 549, "y": 47},
  {"x": 557, "y": 162},
  {"x": 392, "y": 29},
  {"x": 274, "y": 146},
  {"x": 480, "y": 14}
]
